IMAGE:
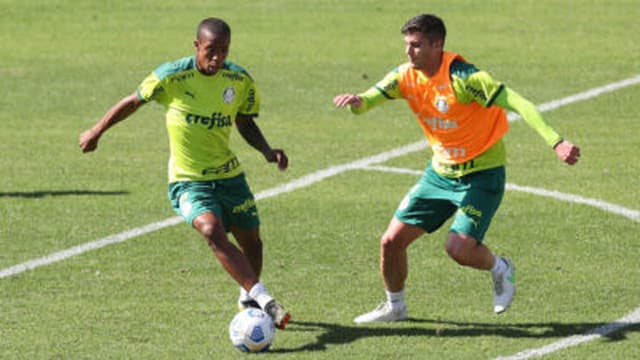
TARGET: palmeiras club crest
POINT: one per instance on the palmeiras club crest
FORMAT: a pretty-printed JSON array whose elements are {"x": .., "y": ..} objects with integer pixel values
[
  {"x": 229, "y": 95},
  {"x": 441, "y": 104}
]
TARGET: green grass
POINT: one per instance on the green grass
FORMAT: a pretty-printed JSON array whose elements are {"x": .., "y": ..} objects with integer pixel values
[{"x": 163, "y": 296}]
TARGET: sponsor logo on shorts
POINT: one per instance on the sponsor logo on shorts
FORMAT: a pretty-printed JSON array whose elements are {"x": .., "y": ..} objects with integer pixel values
[
  {"x": 245, "y": 206},
  {"x": 472, "y": 213}
]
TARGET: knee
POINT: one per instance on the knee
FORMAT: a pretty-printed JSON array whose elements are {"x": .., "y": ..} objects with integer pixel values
[
  {"x": 207, "y": 230},
  {"x": 458, "y": 249},
  {"x": 212, "y": 235},
  {"x": 455, "y": 253},
  {"x": 390, "y": 244}
]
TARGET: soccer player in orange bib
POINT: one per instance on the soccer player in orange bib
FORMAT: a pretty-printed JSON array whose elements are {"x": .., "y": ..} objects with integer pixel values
[{"x": 461, "y": 110}]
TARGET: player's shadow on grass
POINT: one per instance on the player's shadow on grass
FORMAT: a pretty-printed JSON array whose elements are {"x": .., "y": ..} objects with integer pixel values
[
  {"x": 41, "y": 194},
  {"x": 335, "y": 334}
]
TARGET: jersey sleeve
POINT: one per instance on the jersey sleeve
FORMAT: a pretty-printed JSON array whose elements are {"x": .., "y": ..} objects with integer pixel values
[
  {"x": 471, "y": 84},
  {"x": 250, "y": 105},
  {"x": 512, "y": 101},
  {"x": 150, "y": 88},
  {"x": 386, "y": 89}
]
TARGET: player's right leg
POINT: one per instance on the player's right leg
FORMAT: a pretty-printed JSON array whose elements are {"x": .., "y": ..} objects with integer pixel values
[
  {"x": 393, "y": 266},
  {"x": 229, "y": 256},
  {"x": 201, "y": 204}
]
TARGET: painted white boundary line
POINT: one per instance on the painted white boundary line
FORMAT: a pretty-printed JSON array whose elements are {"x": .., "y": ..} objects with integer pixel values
[
  {"x": 93, "y": 245},
  {"x": 585, "y": 95},
  {"x": 612, "y": 208},
  {"x": 593, "y": 334},
  {"x": 292, "y": 185}
]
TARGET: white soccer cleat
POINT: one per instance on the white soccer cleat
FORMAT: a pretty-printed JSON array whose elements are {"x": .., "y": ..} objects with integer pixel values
[
  {"x": 504, "y": 287},
  {"x": 277, "y": 312},
  {"x": 382, "y": 313}
]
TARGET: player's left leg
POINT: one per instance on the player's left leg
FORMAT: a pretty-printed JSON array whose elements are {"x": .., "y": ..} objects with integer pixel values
[
  {"x": 478, "y": 197},
  {"x": 244, "y": 223},
  {"x": 467, "y": 251},
  {"x": 251, "y": 245}
]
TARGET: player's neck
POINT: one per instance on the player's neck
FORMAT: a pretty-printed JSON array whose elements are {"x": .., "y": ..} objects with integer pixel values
[{"x": 431, "y": 68}]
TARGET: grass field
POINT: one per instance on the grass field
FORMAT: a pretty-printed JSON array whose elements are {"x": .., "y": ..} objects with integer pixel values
[{"x": 162, "y": 295}]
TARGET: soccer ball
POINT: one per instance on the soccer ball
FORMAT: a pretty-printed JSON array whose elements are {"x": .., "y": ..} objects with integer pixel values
[{"x": 252, "y": 330}]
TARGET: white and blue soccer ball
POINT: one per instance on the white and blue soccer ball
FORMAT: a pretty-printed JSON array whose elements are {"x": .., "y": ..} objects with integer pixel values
[{"x": 252, "y": 330}]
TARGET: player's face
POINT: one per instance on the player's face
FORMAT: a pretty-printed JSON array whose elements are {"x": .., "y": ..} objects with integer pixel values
[
  {"x": 423, "y": 54},
  {"x": 211, "y": 51}
]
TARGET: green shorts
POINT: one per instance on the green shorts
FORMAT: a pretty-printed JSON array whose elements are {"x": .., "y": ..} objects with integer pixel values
[
  {"x": 229, "y": 199},
  {"x": 473, "y": 198}
]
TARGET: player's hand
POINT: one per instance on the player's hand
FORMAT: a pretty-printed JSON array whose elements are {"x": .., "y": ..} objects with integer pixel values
[
  {"x": 567, "y": 152},
  {"x": 88, "y": 141},
  {"x": 278, "y": 156},
  {"x": 343, "y": 100}
]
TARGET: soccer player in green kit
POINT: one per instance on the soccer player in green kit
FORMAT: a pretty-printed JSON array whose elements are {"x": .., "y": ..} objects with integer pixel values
[{"x": 203, "y": 95}]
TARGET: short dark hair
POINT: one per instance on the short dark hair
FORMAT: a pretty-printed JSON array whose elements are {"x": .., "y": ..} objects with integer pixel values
[
  {"x": 214, "y": 26},
  {"x": 429, "y": 25}
]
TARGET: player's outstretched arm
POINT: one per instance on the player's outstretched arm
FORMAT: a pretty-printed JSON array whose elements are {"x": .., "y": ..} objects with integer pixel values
[
  {"x": 511, "y": 100},
  {"x": 252, "y": 134},
  {"x": 120, "y": 111}
]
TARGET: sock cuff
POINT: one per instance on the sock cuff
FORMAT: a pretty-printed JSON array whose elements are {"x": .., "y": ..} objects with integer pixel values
[{"x": 260, "y": 295}]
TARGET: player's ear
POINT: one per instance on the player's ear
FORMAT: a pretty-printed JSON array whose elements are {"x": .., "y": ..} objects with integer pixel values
[
  {"x": 435, "y": 43},
  {"x": 195, "y": 43}
]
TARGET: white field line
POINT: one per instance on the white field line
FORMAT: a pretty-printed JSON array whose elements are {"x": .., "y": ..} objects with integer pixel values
[
  {"x": 612, "y": 208},
  {"x": 593, "y": 334},
  {"x": 585, "y": 95},
  {"x": 291, "y": 186},
  {"x": 93, "y": 245}
]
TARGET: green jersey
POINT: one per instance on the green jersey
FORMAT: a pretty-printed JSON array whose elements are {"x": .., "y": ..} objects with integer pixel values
[{"x": 200, "y": 111}]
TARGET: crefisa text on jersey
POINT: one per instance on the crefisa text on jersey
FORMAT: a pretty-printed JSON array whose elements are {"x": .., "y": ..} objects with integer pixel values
[{"x": 216, "y": 119}]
